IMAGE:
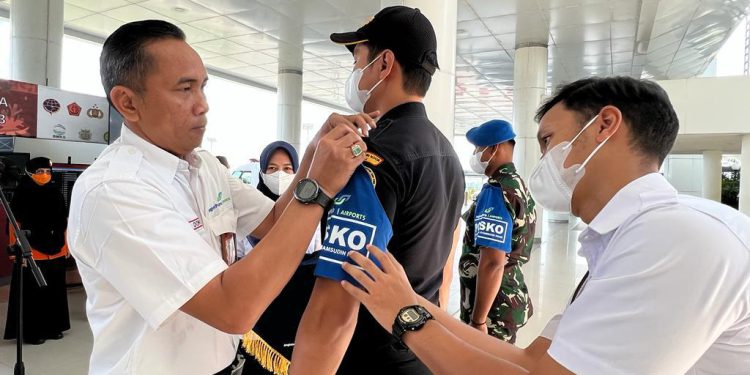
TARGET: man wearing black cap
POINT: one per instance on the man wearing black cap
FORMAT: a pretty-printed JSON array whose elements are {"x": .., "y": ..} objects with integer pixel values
[
  {"x": 418, "y": 180},
  {"x": 498, "y": 239}
]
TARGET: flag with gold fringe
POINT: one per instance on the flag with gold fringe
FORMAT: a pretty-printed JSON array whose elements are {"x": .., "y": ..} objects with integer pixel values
[{"x": 264, "y": 354}]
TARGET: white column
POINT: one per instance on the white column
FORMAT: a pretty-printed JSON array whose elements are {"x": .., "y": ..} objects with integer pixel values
[
  {"x": 529, "y": 88},
  {"x": 289, "y": 95},
  {"x": 441, "y": 97},
  {"x": 36, "y": 41},
  {"x": 289, "y": 109},
  {"x": 745, "y": 176},
  {"x": 712, "y": 175}
]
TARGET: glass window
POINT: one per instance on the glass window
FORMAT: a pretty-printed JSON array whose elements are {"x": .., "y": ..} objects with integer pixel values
[
  {"x": 464, "y": 150},
  {"x": 731, "y": 56},
  {"x": 241, "y": 120},
  {"x": 313, "y": 117},
  {"x": 80, "y": 66},
  {"x": 4, "y": 48}
]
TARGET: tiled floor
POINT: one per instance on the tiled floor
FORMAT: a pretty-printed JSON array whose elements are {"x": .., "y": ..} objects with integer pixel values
[
  {"x": 62, "y": 357},
  {"x": 552, "y": 275}
]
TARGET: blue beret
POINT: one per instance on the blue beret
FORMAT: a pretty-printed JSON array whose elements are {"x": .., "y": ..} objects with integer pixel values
[{"x": 491, "y": 133}]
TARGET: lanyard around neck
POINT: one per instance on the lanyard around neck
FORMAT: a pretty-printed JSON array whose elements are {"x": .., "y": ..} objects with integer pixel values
[{"x": 580, "y": 286}]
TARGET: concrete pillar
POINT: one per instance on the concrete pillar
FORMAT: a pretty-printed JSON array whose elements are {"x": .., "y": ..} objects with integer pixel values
[
  {"x": 36, "y": 41},
  {"x": 441, "y": 97},
  {"x": 712, "y": 175},
  {"x": 745, "y": 175},
  {"x": 529, "y": 88},
  {"x": 289, "y": 108},
  {"x": 289, "y": 95}
]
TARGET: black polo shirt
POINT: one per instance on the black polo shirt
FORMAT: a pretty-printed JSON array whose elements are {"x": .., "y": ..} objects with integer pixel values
[{"x": 420, "y": 183}]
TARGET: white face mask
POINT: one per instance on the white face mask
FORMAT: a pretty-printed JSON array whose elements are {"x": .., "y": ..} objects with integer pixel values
[
  {"x": 355, "y": 97},
  {"x": 552, "y": 184},
  {"x": 477, "y": 165},
  {"x": 278, "y": 181}
]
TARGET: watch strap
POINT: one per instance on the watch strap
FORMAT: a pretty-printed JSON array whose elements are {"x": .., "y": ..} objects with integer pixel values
[
  {"x": 400, "y": 328},
  {"x": 323, "y": 199}
]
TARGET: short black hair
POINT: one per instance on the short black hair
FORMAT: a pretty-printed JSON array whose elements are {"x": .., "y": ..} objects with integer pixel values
[
  {"x": 417, "y": 80},
  {"x": 124, "y": 61},
  {"x": 645, "y": 106}
]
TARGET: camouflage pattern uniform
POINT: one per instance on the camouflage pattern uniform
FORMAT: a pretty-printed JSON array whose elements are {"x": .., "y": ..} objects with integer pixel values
[{"x": 512, "y": 306}]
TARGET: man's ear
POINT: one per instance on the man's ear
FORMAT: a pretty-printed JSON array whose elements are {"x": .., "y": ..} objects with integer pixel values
[
  {"x": 127, "y": 102},
  {"x": 610, "y": 120},
  {"x": 387, "y": 63}
]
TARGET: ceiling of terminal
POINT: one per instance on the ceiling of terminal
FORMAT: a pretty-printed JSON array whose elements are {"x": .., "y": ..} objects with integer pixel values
[{"x": 660, "y": 39}]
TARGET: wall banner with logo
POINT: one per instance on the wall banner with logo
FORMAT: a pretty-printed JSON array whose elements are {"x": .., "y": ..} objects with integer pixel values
[
  {"x": 18, "y": 101},
  {"x": 73, "y": 117},
  {"x": 30, "y": 110}
]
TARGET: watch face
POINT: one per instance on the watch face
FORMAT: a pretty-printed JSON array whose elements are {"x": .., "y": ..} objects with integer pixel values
[
  {"x": 307, "y": 190},
  {"x": 410, "y": 316}
]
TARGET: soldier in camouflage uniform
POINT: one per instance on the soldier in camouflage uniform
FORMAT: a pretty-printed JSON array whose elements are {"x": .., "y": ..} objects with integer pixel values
[{"x": 499, "y": 227}]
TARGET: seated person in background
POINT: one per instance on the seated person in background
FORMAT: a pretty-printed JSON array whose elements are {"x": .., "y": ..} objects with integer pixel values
[{"x": 268, "y": 348}]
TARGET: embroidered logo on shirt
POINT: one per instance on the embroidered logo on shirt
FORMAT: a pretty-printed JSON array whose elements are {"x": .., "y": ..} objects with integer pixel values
[
  {"x": 220, "y": 200},
  {"x": 196, "y": 223},
  {"x": 341, "y": 200},
  {"x": 373, "y": 159}
]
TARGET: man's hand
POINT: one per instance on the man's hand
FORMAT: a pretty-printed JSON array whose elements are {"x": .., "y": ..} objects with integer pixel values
[
  {"x": 385, "y": 292},
  {"x": 361, "y": 123},
  {"x": 334, "y": 161}
]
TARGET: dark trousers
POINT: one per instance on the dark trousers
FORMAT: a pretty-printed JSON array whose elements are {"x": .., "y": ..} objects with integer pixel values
[{"x": 45, "y": 310}]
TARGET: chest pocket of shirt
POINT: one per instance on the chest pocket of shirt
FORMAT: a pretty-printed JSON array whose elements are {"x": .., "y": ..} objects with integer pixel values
[
  {"x": 222, "y": 221},
  {"x": 220, "y": 215},
  {"x": 355, "y": 220}
]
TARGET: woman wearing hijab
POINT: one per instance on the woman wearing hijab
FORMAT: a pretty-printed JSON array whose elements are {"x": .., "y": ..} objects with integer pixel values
[
  {"x": 278, "y": 164},
  {"x": 40, "y": 208},
  {"x": 268, "y": 347}
]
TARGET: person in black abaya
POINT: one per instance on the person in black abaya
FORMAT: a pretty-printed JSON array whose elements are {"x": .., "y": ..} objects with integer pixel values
[
  {"x": 40, "y": 208},
  {"x": 271, "y": 343}
]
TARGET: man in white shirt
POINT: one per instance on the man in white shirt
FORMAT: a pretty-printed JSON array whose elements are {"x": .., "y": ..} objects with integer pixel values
[
  {"x": 153, "y": 221},
  {"x": 668, "y": 290}
]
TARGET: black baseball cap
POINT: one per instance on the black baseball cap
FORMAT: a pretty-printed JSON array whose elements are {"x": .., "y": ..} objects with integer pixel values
[{"x": 403, "y": 30}]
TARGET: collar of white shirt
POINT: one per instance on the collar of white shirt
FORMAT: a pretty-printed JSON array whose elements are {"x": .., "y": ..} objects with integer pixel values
[
  {"x": 164, "y": 162},
  {"x": 639, "y": 194}
]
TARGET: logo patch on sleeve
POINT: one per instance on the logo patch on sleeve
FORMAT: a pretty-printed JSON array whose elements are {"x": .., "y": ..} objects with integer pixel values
[{"x": 373, "y": 158}]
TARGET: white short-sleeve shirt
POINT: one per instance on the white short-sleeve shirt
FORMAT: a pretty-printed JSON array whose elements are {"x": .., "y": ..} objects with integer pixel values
[
  {"x": 144, "y": 233},
  {"x": 668, "y": 291}
]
